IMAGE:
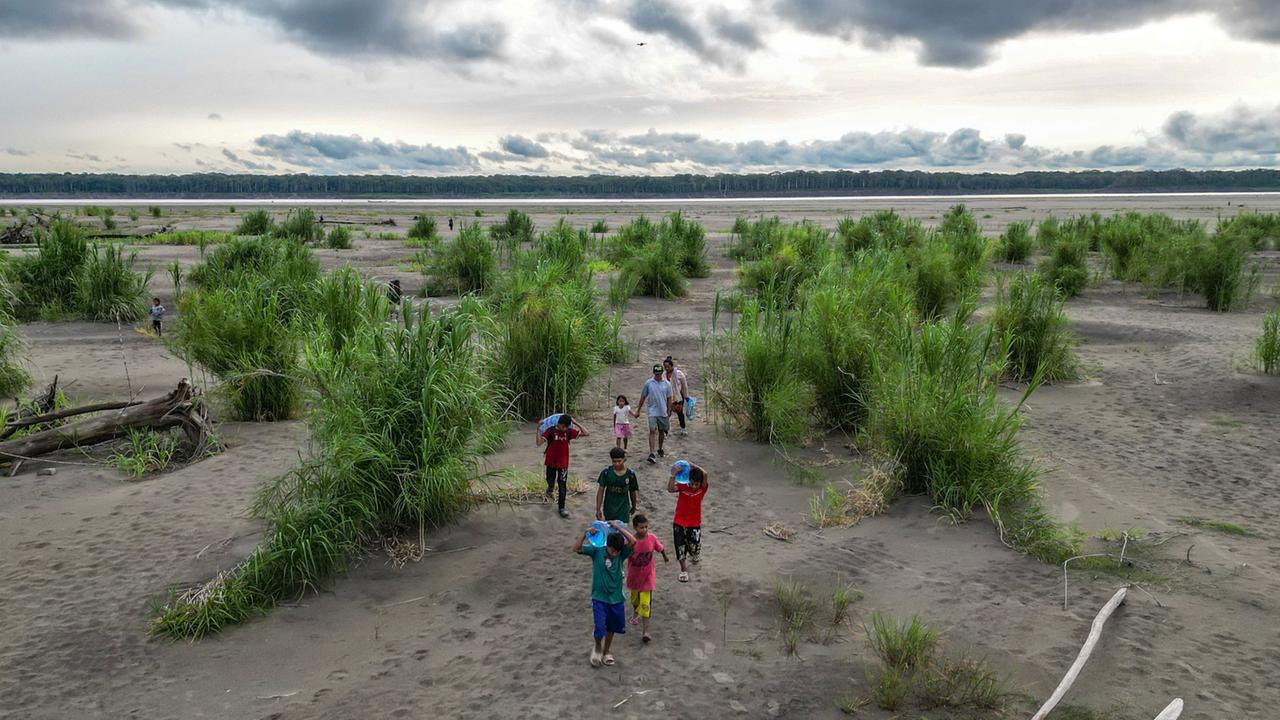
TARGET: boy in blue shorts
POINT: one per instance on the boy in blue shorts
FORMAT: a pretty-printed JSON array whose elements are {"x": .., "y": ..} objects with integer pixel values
[{"x": 608, "y": 603}]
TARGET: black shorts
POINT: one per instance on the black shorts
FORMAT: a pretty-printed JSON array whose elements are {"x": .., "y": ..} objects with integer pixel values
[{"x": 688, "y": 541}]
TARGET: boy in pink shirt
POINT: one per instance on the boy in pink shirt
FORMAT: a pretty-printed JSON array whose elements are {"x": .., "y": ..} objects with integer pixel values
[{"x": 641, "y": 572}]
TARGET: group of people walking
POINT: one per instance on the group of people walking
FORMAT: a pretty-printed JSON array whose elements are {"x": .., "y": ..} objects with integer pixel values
[{"x": 620, "y": 543}]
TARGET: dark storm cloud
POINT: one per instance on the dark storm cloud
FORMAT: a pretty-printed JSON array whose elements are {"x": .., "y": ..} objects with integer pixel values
[
  {"x": 663, "y": 18},
  {"x": 352, "y": 153},
  {"x": 368, "y": 28},
  {"x": 83, "y": 157},
  {"x": 736, "y": 31},
  {"x": 372, "y": 28},
  {"x": 961, "y": 34},
  {"x": 523, "y": 147},
  {"x": 1242, "y": 129},
  {"x": 16, "y": 152},
  {"x": 28, "y": 19}
]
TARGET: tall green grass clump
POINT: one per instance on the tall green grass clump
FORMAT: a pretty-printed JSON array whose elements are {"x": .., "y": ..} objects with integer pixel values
[
  {"x": 792, "y": 255},
  {"x": 688, "y": 241},
  {"x": 763, "y": 390},
  {"x": 466, "y": 265},
  {"x": 1029, "y": 314},
  {"x": 934, "y": 410},
  {"x": 68, "y": 276},
  {"x": 883, "y": 229},
  {"x": 1259, "y": 230},
  {"x": 552, "y": 335},
  {"x": 561, "y": 243},
  {"x": 652, "y": 271},
  {"x": 107, "y": 287},
  {"x": 401, "y": 417},
  {"x": 242, "y": 335},
  {"x": 423, "y": 232},
  {"x": 186, "y": 237},
  {"x": 256, "y": 222},
  {"x": 14, "y": 377},
  {"x": 1067, "y": 266},
  {"x": 245, "y": 320},
  {"x": 600, "y": 227},
  {"x": 1016, "y": 243},
  {"x": 300, "y": 225},
  {"x": 339, "y": 238},
  {"x": 1266, "y": 349},
  {"x": 958, "y": 220},
  {"x": 516, "y": 228},
  {"x": 630, "y": 239},
  {"x": 1221, "y": 271},
  {"x": 754, "y": 239}
]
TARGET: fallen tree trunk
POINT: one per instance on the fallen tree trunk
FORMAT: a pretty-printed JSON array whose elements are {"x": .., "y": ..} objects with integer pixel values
[
  {"x": 29, "y": 420},
  {"x": 182, "y": 408}
]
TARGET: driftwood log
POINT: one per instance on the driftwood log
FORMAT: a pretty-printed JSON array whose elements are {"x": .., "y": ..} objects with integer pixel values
[
  {"x": 182, "y": 408},
  {"x": 1095, "y": 633}
]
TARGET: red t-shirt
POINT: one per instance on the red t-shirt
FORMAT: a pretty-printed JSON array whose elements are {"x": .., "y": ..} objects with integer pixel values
[
  {"x": 689, "y": 505},
  {"x": 557, "y": 455}
]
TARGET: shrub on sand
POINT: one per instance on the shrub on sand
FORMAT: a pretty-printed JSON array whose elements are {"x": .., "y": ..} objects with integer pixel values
[
  {"x": 300, "y": 225},
  {"x": 256, "y": 222},
  {"x": 1029, "y": 315},
  {"x": 516, "y": 228},
  {"x": 107, "y": 287},
  {"x": 652, "y": 271},
  {"x": 339, "y": 238},
  {"x": 1266, "y": 350},
  {"x": 1015, "y": 243},
  {"x": 688, "y": 241},
  {"x": 1067, "y": 266},
  {"x": 401, "y": 417},
  {"x": 423, "y": 232},
  {"x": 466, "y": 265}
]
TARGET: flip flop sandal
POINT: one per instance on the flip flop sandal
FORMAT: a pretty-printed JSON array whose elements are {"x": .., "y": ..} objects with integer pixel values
[
  {"x": 684, "y": 577},
  {"x": 635, "y": 619},
  {"x": 609, "y": 661},
  {"x": 595, "y": 659},
  {"x": 645, "y": 638}
]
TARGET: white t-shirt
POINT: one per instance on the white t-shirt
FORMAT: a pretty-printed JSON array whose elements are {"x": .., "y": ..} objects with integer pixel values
[{"x": 622, "y": 415}]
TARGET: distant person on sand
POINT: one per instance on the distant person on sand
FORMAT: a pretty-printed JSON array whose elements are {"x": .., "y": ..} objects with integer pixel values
[
  {"x": 608, "y": 604},
  {"x": 450, "y": 224},
  {"x": 656, "y": 398},
  {"x": 616, "y": 498},
  {"x": 556, "y": 457},
  {"x": 157, "y": 317},
  {"x": 679, "y": 390},
  {"x": 642, "y": 573},
  {"x": 686, "y": 526},
  {"x": 622, "y": 414}
]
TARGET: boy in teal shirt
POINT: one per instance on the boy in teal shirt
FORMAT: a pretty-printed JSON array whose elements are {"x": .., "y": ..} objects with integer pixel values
[{"x": 608, "y": 603}]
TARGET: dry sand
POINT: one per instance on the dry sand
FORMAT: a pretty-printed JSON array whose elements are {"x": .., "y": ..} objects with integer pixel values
[{"x": 1169, "y": 423}]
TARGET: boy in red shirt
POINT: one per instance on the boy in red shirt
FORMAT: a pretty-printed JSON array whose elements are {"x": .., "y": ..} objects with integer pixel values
[
  {"x": 686, "y": 527},
  {"x": 557, "y": 438},
  {"x": 641, "y": 572}
]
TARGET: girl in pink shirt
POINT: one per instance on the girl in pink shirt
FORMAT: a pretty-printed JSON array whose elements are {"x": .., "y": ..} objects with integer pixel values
[{"x": 641, "y": 572}]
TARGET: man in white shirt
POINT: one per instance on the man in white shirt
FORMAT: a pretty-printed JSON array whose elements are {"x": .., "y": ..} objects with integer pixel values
[{"x": 656, "y": 397}]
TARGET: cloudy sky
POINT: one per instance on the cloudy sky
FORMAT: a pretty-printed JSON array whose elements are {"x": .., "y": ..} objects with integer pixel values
[{"x": 565, "y": 87}]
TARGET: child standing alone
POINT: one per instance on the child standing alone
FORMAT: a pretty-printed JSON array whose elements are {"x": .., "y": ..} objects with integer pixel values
[
  {"x": 157, "y": 317},
  {"x": 642, "y": 573},
  {"x": 622, "y": 422},
  {"x": 608, "y": 606}
]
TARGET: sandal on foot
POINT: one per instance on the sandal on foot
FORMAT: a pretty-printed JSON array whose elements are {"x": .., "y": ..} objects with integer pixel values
[
  {"x": 595, "y": 659},
  {"x": 635, "y": 619},
  {"x": 684, "y": 577},
  {"x": 608, "y": 660},
  {"x": 645, "y": 638}
]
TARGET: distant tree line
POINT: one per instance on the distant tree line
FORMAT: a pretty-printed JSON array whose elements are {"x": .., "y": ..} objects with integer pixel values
[{"x": 796, "y": 182}]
